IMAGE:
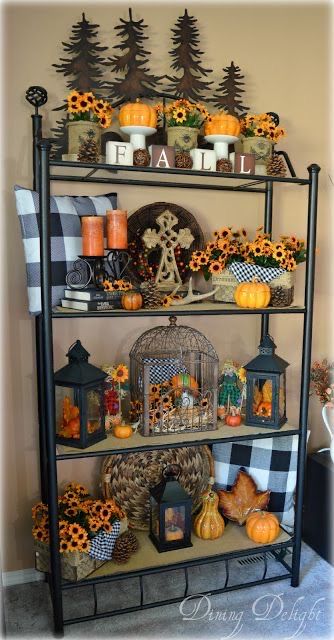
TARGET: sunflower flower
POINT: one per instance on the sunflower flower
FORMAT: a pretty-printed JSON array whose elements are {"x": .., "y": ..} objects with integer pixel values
[
  {"x": 194, "y": 265},
  {"x": 215, "y": 267},
  {"x": 120, "y": 373}
]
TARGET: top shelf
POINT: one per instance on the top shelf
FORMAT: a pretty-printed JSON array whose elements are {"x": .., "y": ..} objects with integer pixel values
[{"x": 212, "y": 180}]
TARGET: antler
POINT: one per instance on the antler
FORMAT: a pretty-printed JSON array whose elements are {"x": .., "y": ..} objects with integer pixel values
[{"x": 191, "y": 296}]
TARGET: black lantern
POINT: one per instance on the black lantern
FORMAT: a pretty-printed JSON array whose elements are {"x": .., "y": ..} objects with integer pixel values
[
  {"x": 266, "y": 387},
  {"x": 170, "y": 512},
  {"x": 79, "y": 390}
]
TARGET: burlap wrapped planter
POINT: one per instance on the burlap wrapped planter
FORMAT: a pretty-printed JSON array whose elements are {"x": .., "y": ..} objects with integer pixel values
[
  {"x": 75, "y": 565},
  {"x": 282, "y": 288},
  {"x": 227, "y": 284},
  {"x": 78, "y": 130}
]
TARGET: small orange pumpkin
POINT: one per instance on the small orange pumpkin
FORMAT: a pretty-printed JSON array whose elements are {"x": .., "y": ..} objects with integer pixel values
[
  {"x": 264, "y": 409},
  {"x": 132, "y": 300},
  {"x": 252, "y": 295},
  {"x": 262, "y": 526},
  {"x": 137, "y": 114},
  {"x": 233, "y": 421},
  {"x": 222, "y": 124},
  {"x": 122, "y": 431}
]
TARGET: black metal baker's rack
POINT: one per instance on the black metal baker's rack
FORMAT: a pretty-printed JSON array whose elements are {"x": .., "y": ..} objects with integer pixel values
[{"x": 45, "y": 171}]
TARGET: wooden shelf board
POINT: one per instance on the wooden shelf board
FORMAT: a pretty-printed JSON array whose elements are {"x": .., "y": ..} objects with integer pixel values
[
  {"x": 234, "y": 540},
  {"x": 138, "y": 442},
  {"x": 198, "y": 308}
]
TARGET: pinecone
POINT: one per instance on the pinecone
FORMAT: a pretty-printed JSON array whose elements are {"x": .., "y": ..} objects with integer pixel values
[
  {"x": 125, "y": 545},
  {"x": 151, "y": 295},
  {"x": 276, "y": 166},
  {"x": 183, "y": 160},
  {"x": 88, "y": 150},
  {"x": 224, "y": 165},
  {"x": 141, "y": 158},
  {"x": 281, "y": 296}
]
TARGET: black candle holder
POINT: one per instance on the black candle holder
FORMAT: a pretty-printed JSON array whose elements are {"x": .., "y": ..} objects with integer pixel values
[{"x": 89, "y": 272}]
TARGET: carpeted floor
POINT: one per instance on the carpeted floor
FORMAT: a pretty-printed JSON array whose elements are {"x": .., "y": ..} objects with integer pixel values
[{"x": 276, "y": 609}]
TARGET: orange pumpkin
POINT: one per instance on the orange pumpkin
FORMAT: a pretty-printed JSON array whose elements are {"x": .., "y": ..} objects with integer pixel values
[
  {"x": 252, "y": 295},
  {"x": 233, "y": 421},
  {"x": 122, "y": 431},
  {"x": 131, "y": 301},
  {"x": 264, "y": 409},
  {"x": 262, "y": 526},
  {"x": 184, "y": 381},
  {"x": 137, "y": 114},
  {"x": 222, "y": 124}
]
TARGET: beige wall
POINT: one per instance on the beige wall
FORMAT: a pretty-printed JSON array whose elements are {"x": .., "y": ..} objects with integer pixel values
[{"x": 283, "y": 52}]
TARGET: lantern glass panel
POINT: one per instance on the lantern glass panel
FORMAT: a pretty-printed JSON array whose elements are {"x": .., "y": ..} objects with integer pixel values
[
  {"x": 262, "y": 398},
  {"x": 282, "y": 396},
  {"x": 175, "y": 522},
  {"x": 67, "y": 412},
  {"x": 93, "y": 404}
]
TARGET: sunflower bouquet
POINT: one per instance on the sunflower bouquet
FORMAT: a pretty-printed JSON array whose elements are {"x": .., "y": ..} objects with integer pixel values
[
  {"x": 261, "y": 125},
  {"x": 86, "y": 107},
  {"x": 81, "y": 519},
  {"x": 230, "y": 246},
  {"x": 183, "y": 113}
]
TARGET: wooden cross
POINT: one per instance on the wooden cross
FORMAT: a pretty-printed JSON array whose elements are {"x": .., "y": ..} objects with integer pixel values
[{"x": 167, "y": 238}]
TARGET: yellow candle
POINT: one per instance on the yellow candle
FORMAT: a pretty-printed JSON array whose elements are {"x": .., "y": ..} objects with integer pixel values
[
  {"x": 92, "y": 236},
  {"x": 117, "y": 229}
]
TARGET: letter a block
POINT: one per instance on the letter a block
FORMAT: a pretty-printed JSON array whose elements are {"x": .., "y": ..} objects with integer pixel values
[
  {"x": 162, "y": 156},
  {"x": 119, "y": 153},
  {"x": 244, "y": 163},
  {"x": 203, "y": 159}
]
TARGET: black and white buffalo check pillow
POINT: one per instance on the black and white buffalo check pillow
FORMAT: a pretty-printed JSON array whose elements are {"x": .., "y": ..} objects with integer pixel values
[
  {"x": 66, "y": 241},
  {"x": 271, "y": 462}
]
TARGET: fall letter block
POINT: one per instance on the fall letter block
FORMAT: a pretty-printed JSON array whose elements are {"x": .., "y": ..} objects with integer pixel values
[
  {"x": 119, "y": 153},
  {"x": 244, "y": 163},
  {"x": 162, "y": 156},
  {"x": 203, "y": 159}
]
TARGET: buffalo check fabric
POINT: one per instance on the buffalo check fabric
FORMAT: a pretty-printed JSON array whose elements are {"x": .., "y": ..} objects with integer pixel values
[
  {"x": 66, "y": 244},
  {"x": 102, "y": 545},
  {"x": 271, "y": 462},
  {"x": 245, "y": 272},
  {"x": 163, "y": 369}
]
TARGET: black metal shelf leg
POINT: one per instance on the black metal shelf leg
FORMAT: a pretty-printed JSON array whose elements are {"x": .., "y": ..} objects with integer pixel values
[
  {"x": 47, "y": 351},
  {"x": 306, "y": 365},
  {"x": 267, "y": 226}
]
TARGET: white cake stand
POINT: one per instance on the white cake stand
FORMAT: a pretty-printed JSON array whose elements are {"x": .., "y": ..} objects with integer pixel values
[
  {"x": 220, "y": 144},
  {"x": 138, "y": 135}
]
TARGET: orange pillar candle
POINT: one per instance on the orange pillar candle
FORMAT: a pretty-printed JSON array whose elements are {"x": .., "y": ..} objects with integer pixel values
[
  {"x": 92, "y": 236},
  {"x": 117, "y": 229}
]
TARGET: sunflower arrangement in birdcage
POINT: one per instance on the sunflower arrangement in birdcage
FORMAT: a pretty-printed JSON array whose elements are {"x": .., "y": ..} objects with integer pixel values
[
  {"x": 86, "y": 107},
  {"x": 230, "y": 246},
  {"x": 81, "y": 519}
]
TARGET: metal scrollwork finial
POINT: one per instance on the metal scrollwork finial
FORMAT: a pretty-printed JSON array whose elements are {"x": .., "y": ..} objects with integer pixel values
[{"x": 36, "y": 96}]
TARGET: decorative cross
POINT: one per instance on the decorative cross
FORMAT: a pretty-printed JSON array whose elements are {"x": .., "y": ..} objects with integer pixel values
[{"x": 168, "y": 239}]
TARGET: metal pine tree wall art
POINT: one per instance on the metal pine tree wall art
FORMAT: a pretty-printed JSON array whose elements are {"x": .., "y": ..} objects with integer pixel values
[
  {"x": 191, "y": 82},
  {"x": 83, "y": 67},
  {"x": 229, "y": 94},
  {"x": 132, "y": 64},
  {"x": 83, "y": 70}
]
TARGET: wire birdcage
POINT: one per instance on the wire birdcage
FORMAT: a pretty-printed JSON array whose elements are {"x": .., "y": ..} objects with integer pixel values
[{"x": 174, "y": 380}]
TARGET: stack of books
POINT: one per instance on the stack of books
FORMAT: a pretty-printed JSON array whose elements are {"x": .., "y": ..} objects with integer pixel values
[{"x": 91, "y": 300}]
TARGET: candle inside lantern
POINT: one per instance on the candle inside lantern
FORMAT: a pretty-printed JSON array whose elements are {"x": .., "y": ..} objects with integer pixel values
[
  {"x": 92, "y": 236},
  {"x": 117, "y": 229}
]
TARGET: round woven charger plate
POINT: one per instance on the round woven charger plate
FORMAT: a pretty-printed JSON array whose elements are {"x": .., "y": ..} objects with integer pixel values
[
  {"x": 145, "y": 218},
  {"x": 128, "y": 478}
]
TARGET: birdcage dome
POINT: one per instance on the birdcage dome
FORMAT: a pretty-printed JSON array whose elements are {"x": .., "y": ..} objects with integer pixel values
[{"x": 172, "y": 338}]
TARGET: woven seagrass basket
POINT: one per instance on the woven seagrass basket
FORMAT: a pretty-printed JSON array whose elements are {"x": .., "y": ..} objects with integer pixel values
[{"x": 128, "y": 478}]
